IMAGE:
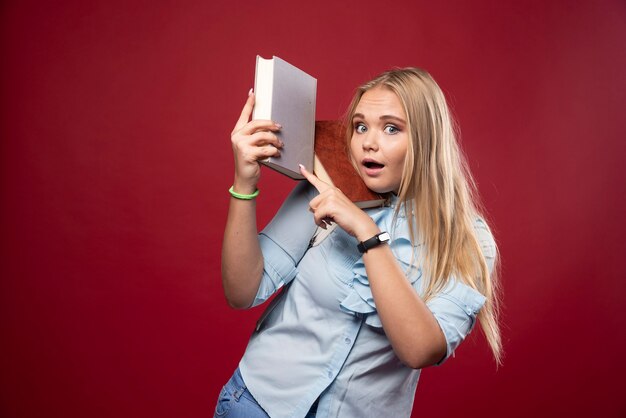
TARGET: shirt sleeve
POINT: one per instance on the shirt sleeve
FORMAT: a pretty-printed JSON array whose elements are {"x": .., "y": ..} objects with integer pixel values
[
  {"x": 285, "y": 240},
  {"x": 456, "y": 307}
]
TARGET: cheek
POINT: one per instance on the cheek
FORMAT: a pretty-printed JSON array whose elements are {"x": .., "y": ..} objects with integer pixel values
[{"x": 399, "y": 154}]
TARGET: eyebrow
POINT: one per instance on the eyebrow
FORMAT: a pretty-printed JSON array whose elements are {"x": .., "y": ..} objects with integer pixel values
[{"x": 383, "y": 117}]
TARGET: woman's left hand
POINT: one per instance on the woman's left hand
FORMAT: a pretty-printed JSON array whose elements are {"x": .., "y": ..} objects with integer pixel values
[{"x": 331, "y": 205}]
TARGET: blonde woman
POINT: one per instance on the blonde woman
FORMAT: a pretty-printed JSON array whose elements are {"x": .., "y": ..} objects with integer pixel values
[{"x": 389, "y": 291}]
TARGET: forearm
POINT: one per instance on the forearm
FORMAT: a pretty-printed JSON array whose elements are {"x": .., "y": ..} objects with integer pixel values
[
  {"x": 411, "y": 328},
  {"x": 242, "y": 260}
]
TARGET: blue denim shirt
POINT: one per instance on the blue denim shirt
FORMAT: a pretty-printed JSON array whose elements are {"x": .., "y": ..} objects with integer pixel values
[{"x": 323, "y": 337}]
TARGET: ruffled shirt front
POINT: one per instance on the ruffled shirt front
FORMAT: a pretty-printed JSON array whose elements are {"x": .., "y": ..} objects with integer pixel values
[
  {"x": 360, "y": 300},
  {"x": 323, "y": 338}
]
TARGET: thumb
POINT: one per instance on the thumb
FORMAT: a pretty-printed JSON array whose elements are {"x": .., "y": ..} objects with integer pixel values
[{"x": 246, "y": 111}]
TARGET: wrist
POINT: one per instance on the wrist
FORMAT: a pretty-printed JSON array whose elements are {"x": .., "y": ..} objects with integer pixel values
[
  {"x": 244, "y": 187},
  {"x": 373, "y": 242},
  {"x": 241, "y": 196},
  {"x": 368, "y": 231}
]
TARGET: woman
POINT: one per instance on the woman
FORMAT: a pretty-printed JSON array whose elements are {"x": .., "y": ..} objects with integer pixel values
[{"x": 390, "y": 291}]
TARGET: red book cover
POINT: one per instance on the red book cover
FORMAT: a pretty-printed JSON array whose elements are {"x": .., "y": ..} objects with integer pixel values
[{"x": 332, "y": 164}]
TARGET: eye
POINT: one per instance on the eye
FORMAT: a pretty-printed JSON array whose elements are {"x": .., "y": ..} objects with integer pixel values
[
  {"x": 360, "y": 128},
  {"x": 391, "y": 129}
]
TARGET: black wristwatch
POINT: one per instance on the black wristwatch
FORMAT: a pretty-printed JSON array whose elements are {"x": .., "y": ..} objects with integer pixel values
[{"x": 375, "y": 241}]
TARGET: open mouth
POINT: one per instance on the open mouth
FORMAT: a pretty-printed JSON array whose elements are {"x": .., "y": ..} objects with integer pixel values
[{"x": 372, "y": 164}]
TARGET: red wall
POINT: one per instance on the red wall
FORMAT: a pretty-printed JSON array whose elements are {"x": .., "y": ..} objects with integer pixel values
[{"x": 115, "y": 163}]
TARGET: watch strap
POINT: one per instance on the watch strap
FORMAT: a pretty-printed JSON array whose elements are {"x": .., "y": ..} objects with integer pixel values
[{"x": 373, "y": 242}]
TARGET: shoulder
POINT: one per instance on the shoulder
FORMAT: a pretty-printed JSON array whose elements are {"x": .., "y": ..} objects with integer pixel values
[
  {"x": 298, "y": 198},
  {"x": 293, "y": 220},
  {"x": 302, "y": 191}
]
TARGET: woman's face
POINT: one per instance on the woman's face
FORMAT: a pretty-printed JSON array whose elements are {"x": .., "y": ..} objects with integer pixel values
[{"x": 380, "y": 139}]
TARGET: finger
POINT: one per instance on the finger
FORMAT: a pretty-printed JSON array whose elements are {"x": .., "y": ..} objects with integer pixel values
[
  {"x": 265, "y": 138},
  {"x": 312, "y": 178},
  {"x": 259, "y": 153},
  {"x": 321, "y": 216},
  {"x": 270, "y": 151},
  {"x": 258, "y": 125},
  {"x": 315, "y": 203},
  {"x": 323, "y": 222},
  {"x": 245, "y": 112}
]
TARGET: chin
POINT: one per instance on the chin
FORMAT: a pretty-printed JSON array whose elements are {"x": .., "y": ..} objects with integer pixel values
[
  {"x": 378, "y": 186},
  {"x": 380, "y": 189}
]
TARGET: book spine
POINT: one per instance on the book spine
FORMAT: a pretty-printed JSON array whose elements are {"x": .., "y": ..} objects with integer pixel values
[{"x": 263, "y": 87}]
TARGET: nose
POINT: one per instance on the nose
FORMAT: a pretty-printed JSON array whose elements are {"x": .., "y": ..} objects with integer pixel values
[{"x": 370, "y": 141}]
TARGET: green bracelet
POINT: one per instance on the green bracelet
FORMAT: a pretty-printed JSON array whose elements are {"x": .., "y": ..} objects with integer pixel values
[{"x": 242, "y": 196}]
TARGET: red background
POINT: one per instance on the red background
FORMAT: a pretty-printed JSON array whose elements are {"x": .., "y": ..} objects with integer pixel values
[{"x": 115, "y": 165}]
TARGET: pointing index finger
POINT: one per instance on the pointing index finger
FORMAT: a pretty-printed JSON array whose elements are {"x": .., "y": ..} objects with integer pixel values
[{"x": 313, "y": 179}]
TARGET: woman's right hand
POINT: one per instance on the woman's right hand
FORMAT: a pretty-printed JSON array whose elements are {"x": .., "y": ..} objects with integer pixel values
[{"x": 252, "y": 141}]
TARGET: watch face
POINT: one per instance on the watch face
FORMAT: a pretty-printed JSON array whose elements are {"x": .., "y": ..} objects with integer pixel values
[{"x": 384, "y": 237}]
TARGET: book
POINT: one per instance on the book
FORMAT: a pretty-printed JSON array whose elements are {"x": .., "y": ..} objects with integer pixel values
[
  {"x": 286, "y": 94},
  {"x": 332, "y": 164}
]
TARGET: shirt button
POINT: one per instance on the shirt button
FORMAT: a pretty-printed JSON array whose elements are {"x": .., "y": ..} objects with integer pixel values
[
  {"x": 330, "y": 374},
  {"x": 347, "y": 340}
]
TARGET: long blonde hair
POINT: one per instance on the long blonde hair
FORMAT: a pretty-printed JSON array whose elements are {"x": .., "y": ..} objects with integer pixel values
[{"x": 437, "y": 188}]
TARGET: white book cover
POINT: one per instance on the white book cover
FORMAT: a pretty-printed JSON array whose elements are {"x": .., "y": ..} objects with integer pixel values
[{"x": 286, "y": 94}]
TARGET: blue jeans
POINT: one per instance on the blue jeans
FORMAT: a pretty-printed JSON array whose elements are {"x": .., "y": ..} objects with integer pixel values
[{"x": 236, "y": 401}]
